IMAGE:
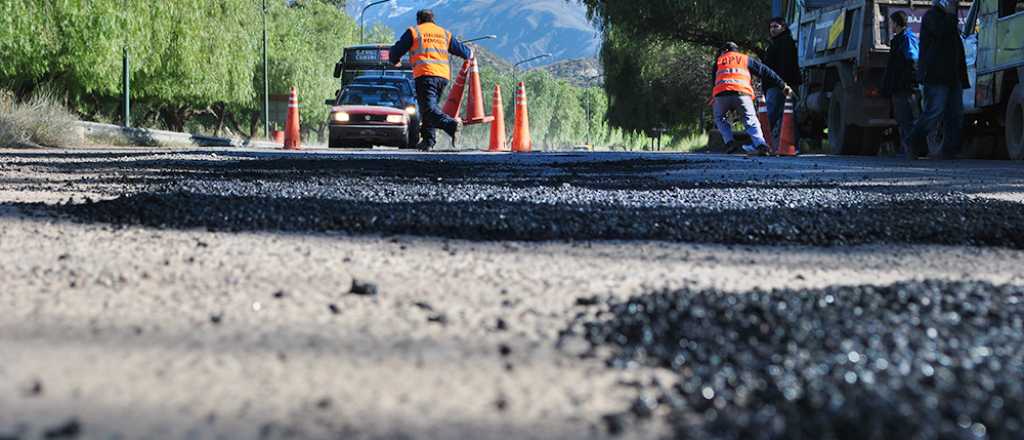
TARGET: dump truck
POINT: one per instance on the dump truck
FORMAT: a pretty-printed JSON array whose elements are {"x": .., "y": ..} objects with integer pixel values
[{"x": 843, "y": 51}]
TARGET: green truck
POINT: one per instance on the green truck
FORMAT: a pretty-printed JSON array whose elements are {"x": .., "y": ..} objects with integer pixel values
[{"x": 843, "y": 50}]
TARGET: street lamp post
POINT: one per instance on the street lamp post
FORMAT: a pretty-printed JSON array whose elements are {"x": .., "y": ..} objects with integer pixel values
[
  {"x": 361, "y": 14},
  {"x": 485, "y": 37},
  {"x": 515, "y": 66},
  {"x": 126, "y": 87},
  {"x": 590, "y": 103},
  {"x": 266, "y": 81}
]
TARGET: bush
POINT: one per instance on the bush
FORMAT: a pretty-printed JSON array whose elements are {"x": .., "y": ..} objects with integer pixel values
[{"x": 38, "y": 121}]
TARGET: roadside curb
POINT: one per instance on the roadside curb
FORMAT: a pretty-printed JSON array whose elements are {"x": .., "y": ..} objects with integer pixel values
[{"x": 118, "y": 135}]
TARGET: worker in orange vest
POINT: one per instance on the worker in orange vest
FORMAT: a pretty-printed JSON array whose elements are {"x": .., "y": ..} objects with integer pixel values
[
  {"x": 734, "y": 91},
  {"x": 429, "y": 46}
]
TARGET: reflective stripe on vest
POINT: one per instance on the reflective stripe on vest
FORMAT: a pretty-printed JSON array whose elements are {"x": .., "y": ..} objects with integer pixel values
[
  {"x": 429, "y": 52},
  {"x": 733, "y": 75}
]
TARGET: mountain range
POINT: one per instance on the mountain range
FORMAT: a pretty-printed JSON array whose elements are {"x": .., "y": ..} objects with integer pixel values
[{"x": 525, "y": 28}]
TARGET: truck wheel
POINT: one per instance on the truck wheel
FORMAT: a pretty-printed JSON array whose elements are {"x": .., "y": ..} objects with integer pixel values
[
  {"x": 1015, "y": 124},
  {"x": 844, "y": 138},
  {"x": 872, "y": 139}
]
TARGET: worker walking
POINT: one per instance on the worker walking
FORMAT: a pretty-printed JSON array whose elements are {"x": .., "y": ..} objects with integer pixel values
[
  {"x": 900, "y": 81},
  {"x": 733, "y": 90},
  {"x": 943, "y": 71},
  {"x": 429, "y": 46},
  {"x": 782, "y": 58}
]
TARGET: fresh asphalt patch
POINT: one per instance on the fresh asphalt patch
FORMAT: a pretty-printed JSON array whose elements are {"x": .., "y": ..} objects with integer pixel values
[
  {"x": 913, "y": 360},
  {"x": 559, "y": 200}
]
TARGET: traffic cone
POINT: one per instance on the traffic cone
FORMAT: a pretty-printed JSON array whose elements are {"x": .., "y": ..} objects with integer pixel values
[
  {"x": 766, "y": 126},
  {"x": 521, "y": 142},
  {"x": 292, "y": 138},
  {"x": 498, "y": 125},
  {"x": 787, "y": 136},
  {"x": 475, "y": 106},
  {"x": 453, "y": 106}
]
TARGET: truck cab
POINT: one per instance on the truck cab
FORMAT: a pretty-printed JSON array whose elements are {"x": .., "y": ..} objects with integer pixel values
[
  {"x": 994, "y": 40},
  {"x": 843, "y": 48}
]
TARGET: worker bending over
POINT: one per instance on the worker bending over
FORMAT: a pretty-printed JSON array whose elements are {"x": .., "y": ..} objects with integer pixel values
[
  {"x": 428, "y": 46},
  {"x": 734, "y": 91}
]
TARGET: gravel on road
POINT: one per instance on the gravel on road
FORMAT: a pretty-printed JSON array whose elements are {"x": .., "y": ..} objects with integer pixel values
[
  {"x": 909, "y": 360},
  {"x": 382, "y": 295},
  {"x": 560, "y": 197}
]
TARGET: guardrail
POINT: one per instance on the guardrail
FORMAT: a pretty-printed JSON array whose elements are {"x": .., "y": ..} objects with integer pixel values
[{"x": 118, "y": 135}]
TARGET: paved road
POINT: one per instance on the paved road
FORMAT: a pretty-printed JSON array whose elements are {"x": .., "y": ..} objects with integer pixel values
[{"x": 204, "y": 293}]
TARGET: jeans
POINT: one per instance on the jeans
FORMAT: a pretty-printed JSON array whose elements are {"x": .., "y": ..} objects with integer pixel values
[
  {"x": 941, "y": 103},
  {"x": 776, "y": 98},
  {"x": 745, "y": 104},
  {"x": 906, "y": 108},
  {"x": 428, "y": 95}
]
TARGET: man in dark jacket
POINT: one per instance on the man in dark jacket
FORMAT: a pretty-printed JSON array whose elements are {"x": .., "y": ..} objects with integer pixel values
[
  {"x": 900, "y": 82},
  {"x": 782, "y": 58},
  {"x": 943, "y": 71}
]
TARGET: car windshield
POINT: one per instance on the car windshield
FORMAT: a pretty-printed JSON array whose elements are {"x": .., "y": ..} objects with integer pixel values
[
  {"x": 378, "y": 96},
  {"x": 401, "y": 84}
]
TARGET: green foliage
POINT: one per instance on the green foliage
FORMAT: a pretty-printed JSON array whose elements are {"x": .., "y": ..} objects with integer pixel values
[
  {"x": 197, "y": 64},
  {"x": 309, "y": 39},
  {"x": 657, "y": 56},
  {"x": 558, "y": 112}
]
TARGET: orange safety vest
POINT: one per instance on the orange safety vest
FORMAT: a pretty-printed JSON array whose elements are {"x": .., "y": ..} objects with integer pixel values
[
  {"x": 429, "y": 52},
  {"x": 733, "y": 75}
]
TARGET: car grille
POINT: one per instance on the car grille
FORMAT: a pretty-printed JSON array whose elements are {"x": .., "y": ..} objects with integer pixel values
[{"x": 362, "y": 118}]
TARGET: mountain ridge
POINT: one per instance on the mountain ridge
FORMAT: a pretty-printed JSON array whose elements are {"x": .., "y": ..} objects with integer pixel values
[{"x": 525, "y": 28}]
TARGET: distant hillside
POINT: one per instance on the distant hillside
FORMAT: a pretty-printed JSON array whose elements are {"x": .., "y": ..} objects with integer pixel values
[
  {"x": 580, "y": 72},
  {"x": 490, "y": 59},
  {"x": 525, "y": 28}
]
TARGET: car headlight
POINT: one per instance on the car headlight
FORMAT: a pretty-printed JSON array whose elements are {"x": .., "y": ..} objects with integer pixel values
[
  {"x": 394, "y": 119},
  {"x": 340, "y": 117},
  {"x": 411, "y": 110}
]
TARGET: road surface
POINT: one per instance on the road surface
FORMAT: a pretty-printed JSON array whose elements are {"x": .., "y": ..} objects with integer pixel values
[{"x": 385, "y": 295}]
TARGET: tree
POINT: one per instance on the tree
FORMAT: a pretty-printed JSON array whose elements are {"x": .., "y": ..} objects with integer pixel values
[{"x": 657, "y": 55}]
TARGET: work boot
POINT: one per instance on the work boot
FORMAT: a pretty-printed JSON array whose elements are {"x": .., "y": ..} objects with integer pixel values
[
  {"x": 760, "y": 150},
  {"x": 425, "y": 145},
  {"x": 454, "y": 132},
  {"x": 733, "y": 147}
]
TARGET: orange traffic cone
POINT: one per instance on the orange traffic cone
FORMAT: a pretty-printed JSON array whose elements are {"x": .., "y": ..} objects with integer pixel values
[
  {"x": 475, "y": 107},
  {"x": 453, "y": 105},
  {"x": 766, "y": 126},
  {"x": 521, "y": 142},
  {"x": 292, "y": 138},
  {"x": 498, "y": 126},
  {"x": 787, "y": 136}
]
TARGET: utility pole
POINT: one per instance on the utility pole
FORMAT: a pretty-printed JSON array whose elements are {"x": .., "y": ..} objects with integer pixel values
[
  {"x": 266, "y": 80},
  {"x": 126, "y": 75}
]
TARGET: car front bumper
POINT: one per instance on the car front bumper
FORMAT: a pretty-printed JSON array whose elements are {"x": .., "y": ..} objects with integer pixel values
[{"x": 389, "y": 135}]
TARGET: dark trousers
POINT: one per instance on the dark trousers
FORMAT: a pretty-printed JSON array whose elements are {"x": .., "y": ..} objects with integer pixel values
[
  {"x": 941, "y": 103},
  {"x": 776, "y": 99},
  {"x": 428, "y": 96},
  {"x": 905, "y": 107}
]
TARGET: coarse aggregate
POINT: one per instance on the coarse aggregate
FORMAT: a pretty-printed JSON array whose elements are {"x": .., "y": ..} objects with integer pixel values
[
  {"x": 487, "y": 199},
  {"x": 912, "y": 360}
]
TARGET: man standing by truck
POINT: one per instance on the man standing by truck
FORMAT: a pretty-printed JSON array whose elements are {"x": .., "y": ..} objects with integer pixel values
[
  {"x": 782, "y": 58},
  {"x": 429, "y": 46},
  {"x": 733, "y": 91},
  {"x": 900, "y": 82},
  {"x": 943, "y": 71}
]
